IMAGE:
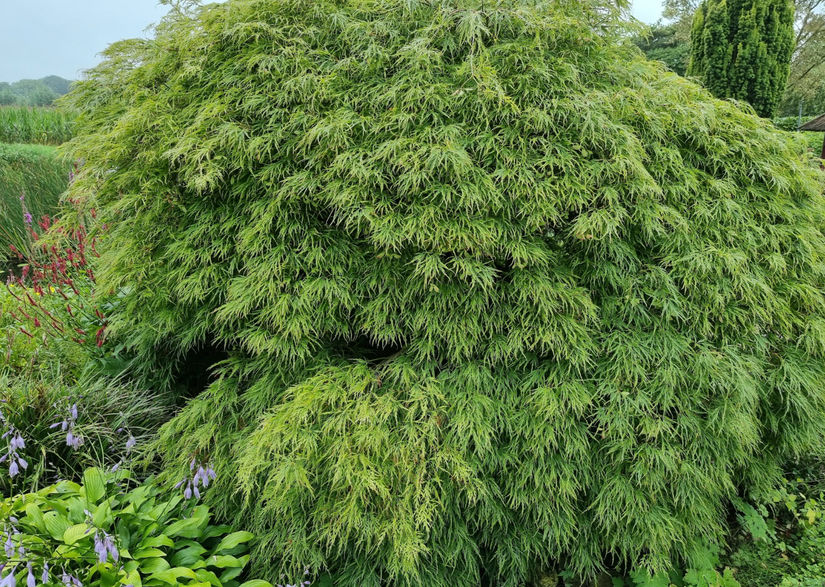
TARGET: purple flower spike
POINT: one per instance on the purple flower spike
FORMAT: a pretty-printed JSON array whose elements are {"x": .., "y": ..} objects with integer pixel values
[
  {"x": 30, "y": 580},
  {"x": 9, "y": 581}
]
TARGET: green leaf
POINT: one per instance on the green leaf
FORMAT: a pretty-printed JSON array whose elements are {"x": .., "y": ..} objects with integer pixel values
[
  {"x": 102, "y": 517},
  {"x": 188, "y": 528},
  {"x": 230, "y": 574},
  {"x": 147, "y": 553},
  {"x": 210, "y": 577},
  {"x": 153, "y": 565},
  {"x": 95, "y": 485},
  {"x": 155, "y": 541},
  {"x": 56, "y": 524},
  {"x": 76, "y": 532},
  {"x": 107, "y": 577},
  {"x": 256, "y": 583},
  {"x": 171, "y": 576},
  {"x": 131, "y": 566},
  {"x": 133, "y": 578},
  {"x": 35, "y": 517},
  {"x": 233, "y": 540},
  {"x": 188, "y": 556},
  {"x": 223, "y": 561},
  {"x": 642, "y": 578}
]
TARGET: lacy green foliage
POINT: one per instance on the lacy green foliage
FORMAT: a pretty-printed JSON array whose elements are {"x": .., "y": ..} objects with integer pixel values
[
  {"x": 108, "y": 412},
  {"x": 742, "y": 49},
  {"x": 499, "y": 294},
  {"x": 45, "y": 126},
  {"x": 155, "y": 539},
  {"x": 36, "y": 172}
]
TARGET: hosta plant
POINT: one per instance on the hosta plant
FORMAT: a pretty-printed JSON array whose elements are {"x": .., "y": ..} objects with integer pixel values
[
  {"x": 105, "y": 533},
  {"x": 488, "y": 294}
]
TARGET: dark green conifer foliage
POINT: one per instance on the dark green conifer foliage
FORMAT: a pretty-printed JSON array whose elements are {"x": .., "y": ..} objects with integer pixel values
[
  {"x": 742, "y": 49},
  {"x": 499, "y": 294}
]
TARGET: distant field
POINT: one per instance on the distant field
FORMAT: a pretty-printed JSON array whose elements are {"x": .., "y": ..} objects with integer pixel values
[
  {"x": 44, "y": 126},
  {"x": 37, "y": 172}
]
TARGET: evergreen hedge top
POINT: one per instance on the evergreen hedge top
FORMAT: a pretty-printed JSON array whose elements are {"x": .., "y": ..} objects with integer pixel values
[{"x": 499, "y": 295}]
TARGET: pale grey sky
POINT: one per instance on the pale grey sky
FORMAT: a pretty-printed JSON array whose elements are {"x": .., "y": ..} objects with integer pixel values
[{"x": 63, "y": 37}]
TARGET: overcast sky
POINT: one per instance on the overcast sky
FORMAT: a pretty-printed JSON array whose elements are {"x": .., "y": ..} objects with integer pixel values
[{"x": 63, "y": 37}]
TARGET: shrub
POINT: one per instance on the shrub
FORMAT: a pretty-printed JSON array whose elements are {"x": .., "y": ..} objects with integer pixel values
[
  {"x": 101, "y": 534},
  {"x": 499, "y": 295}
]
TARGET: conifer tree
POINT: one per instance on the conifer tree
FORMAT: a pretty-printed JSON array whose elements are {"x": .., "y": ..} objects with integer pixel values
[
  {"x": 742, "y": 49},
  {"x": 498, "y": 295}
]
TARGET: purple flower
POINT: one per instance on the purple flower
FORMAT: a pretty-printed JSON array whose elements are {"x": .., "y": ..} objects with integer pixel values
[
  {"x": 30, "y": 580},
  {"x": 8, "y": 546},
  {"x": 45, "y": 576},
  {"x": 130, "y": 443},
  {"x": 9, "y": 581},
  {"x": 17, "y": 442},
  {"x": 27, "y": 218},
  {"x": 105, "y": 546},
  {"x": 110, "y": 546},
  {"x": 201, "y": 477},
  {"x": 13, "y": 469}
]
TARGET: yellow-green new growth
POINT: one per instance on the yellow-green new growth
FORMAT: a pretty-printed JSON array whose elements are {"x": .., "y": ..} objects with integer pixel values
[{"x": 498, "y": 295}]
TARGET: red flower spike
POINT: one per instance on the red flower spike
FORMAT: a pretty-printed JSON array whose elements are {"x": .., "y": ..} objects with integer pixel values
[{"x": 99, "y": 337}]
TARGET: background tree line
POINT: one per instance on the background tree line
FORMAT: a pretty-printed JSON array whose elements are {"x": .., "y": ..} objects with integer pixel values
[
  {"x": 671, "y": 43},
  {"x": 33, "y": 92}
]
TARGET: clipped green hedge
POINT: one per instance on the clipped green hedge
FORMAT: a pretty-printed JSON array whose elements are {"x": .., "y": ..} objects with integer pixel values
[{"x": 497, "y": 295}]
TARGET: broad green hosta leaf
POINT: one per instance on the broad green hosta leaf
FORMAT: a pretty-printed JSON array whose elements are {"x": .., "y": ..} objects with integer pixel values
[
  {"x": 232, "y": 540},
  {"x": 77, "y": 532},
  {"x": 94, "y": 484}
]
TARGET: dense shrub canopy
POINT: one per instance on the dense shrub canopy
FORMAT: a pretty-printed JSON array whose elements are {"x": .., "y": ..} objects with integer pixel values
[
  {"x": 742, "y": 49},
  {"x": 498, "y": 294}
]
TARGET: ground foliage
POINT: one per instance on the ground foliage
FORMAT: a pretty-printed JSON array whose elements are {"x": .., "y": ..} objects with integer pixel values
[{"x": 498, "y": 295}]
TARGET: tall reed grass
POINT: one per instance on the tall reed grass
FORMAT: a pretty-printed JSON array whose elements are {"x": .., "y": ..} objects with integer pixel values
[
  {"x": 44, "y": 126},
  {"x": 36, "y": 173}
]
